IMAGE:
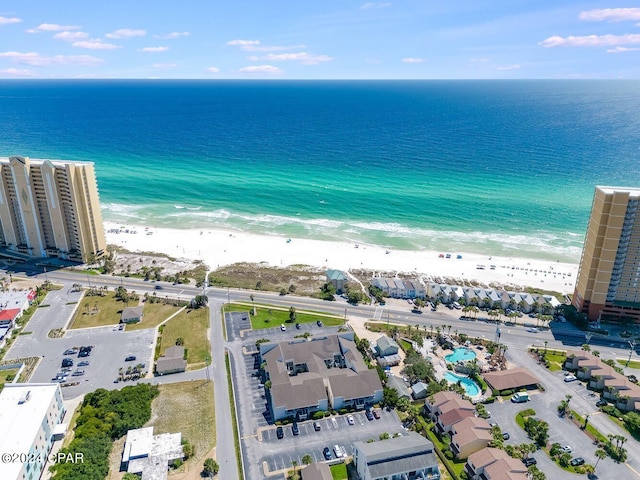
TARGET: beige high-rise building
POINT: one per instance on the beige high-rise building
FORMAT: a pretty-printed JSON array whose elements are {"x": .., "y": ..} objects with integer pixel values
[
  {"x": 50, "y": 208},
  {"x": 608, "y": 283}
]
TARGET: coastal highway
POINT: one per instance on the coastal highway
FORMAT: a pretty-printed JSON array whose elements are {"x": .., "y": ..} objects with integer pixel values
[{"x": 559, "y": 336}]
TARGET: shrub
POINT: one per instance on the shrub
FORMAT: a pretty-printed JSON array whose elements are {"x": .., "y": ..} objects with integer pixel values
[
  {"x": 490, "y": 399},
  {"x": 448, "y": 454},
  {"x": 507, "y": 393}
]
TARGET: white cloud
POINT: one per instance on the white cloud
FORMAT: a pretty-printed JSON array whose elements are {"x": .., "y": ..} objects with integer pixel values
[
  {"x": 126, "y": 33},
  {"x": 591, "y": 40},
  {"x": 153, "y": 49},
  {"x": 302, "y": 57},
  {"x": 611, "y": 14},
  {"x": 373, "y": 61},
  {"x": 413, "y": 60},
  {"x": 52, "y": 27},
  {"x": 254, "y": 46},
  {"x": 164, "y": 65},
  {"x": 95, "y": 44},
  {"x": 623, "y": 49},
  {"x": 172, "y": 35},
  {"x": 478, "y": 60},
  {"x": 17, "y": 72},
  {"x": 506, "y": 68},
  {"x": 213, "y": 69},
  {"x": 261, "y": 69},
  {"x": 372, "y": 5},
  {"x": 9, "y": 20},
  {"x": 37, "y": 60},
  {"x": 243, "y": 43},
  {"x": 70, "y": 36}
]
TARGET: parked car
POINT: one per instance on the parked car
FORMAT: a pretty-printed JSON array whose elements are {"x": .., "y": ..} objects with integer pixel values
[
  {"x": 319, "y": 323},
  {"x": 70, "y": 351},
  {"x": 351, "y": 420},
  {"x": 316, "y": 426},
  {"x": 368, "y": 414},
  {"x": 77, "y": 373},
  {"x": 279, "y": 432},
  {"x": 529, "y": 461},
  {"x": 295, "y": 429},
  {"x": 298, "y": 326},
  {"x": 376, "y": 414},
  {"x": 337, "y": 451},
  {"x": 84, "y": 353},
  {"x": 577, "y": 461},
  {"x": 283, "y": 328},
  {"x": 570, "y": 378},
  {"x": 130, "y": 358},
  {"x": 601, "y": 403},
  {"x": 67, "y": 362},
  {"x": 506, "y": 436},
  {"x": 84, "y": 363},
  {"x": 566, "y": 449},
  {"x": 327, "y": 453}
]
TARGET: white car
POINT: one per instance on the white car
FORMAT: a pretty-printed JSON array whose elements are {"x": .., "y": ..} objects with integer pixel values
[
  {"x": 283, "y": 328},
  {"x": 533, "y": 330},
  {"x": 351, "y": 420},
  {"x": 570, "y": 378},
  {"x": 566, "y": 449}
]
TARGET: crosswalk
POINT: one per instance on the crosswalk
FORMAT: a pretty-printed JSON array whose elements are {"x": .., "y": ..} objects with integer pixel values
[{"x": 377, "y": 315}]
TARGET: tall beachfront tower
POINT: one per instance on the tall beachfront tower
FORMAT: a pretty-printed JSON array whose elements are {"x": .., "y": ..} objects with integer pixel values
[
  {"x": 50, "y": 208},
  {"x": 608, "y": 283}
]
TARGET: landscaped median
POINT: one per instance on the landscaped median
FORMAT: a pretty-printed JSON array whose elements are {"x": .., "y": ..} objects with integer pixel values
[{"x": 268, "y": 316}]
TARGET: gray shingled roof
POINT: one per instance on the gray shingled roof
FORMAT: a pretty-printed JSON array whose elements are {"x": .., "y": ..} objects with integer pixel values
[{"x": 401, "y": 454}]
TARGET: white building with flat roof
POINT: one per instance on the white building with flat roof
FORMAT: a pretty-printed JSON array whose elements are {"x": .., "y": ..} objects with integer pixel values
[
  {"x": 29, "y": 414},
  {"x": 150, "y": 455}
]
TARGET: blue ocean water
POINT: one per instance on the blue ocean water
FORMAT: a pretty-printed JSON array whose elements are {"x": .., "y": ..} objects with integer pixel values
[{"x": 494, "y": 167}]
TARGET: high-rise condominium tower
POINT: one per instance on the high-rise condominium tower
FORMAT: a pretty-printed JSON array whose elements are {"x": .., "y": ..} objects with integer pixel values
[
  {"x": 609, "y": 276},
  {"x": 50, "y": 208}
]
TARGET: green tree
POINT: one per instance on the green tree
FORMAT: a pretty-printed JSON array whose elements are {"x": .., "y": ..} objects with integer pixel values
[
  {"x": 200, "y": 301},
  {"x": 389, "y": 397},
  {"x": 601, "y": 454},
  {"x": 292, "y": 315},
  {"x": 384, "y": 436},
  {"x": 210, "y": 468},
  {"x": 179, "y": 341},
  {"x": 307, "y": 460}
]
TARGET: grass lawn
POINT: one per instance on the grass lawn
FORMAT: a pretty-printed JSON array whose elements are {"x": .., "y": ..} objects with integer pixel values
[
  {"x": 632, "y": 363},
  {"x": 339, "y": 471},
  {"x": 268, "y": 316},
  {"x": 6, "y": 376},
  {"x": 187, "y": 407},
  {"x": 153, "y": 315},
  {"x": 108, "y": 311},
  {"x": 555, "y": 361},
  {"x": 191, "y": 325}
]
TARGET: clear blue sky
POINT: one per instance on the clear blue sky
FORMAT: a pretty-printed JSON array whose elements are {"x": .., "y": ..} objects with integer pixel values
[{"x": 313, "y": 39}]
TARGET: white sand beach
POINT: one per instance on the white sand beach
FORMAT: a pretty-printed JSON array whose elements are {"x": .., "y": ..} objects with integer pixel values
[{"x": 218, "y": 247}]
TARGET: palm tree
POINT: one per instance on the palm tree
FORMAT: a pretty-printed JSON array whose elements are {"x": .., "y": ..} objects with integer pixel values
[
  {"x": 586, "y": 347},
  {"x": 307, "y": 460},
  {"x": 601, "y": 454},
  {"x": 294, "y": 464}
]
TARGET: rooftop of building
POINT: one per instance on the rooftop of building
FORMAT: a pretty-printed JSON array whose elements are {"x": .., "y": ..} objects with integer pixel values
[
  {"x": 23, "y": 407},
  {"x": 633, "y": 191},
  {"x": 132, "y": 312},
  {"x": 511, "y": 379},
  {"x": 385, "y": 342},
  {"x": 316, "y": 471},
  {"x": 471, "y": 429},
  {"x": 398, "y": 454},
  {"x": 150, "y": 454},
  {"x": 40, "y": 161},
  {"x": 299, "y": 368}
]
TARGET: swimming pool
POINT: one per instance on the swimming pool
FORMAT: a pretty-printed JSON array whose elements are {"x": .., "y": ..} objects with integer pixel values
[
  {"x": 469, "y": 385},
  {"x": 460, "y": 354}
]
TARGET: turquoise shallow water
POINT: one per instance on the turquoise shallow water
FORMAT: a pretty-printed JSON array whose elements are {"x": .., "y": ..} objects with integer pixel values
[
  {"x": 469, "y": 385},
  {"x": 494, "y": 167}
]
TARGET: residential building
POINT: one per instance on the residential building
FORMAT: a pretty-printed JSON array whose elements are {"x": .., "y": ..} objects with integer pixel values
[
  {"x": 30, "y": 418},
  {"x": 419, "y": 390},
  {"x": 399, "y": 385},
  {"x": 19, "y": 299},
  {"x": 447, "y": 408},
  {"x": 386, "y": 346},
  {"x": 337, "y": 279},
  {"x": 409, "y": 457},
  {"x": 399, "y": 288},
  {"x": 609, "y": 273},
  {"x": 602, "y": 377},
  {"x": 512, "y": 379},
  {"x": 494, "y": 464},
  {"x": 50, "y": 208},
  {"x": 470, "y": 435},
  {"x": 318, "y": 374},
  {"x": 132, "y": 314},
  {"x": 316, "y": 471},
  {"x": 150, "y": 455},
  {"x": 173, "y": 361}
]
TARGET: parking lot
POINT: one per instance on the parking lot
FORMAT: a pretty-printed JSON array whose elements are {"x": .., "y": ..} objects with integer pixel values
[
  {"x": 110, "y": 347},
  {"x": 260, "y": 447},
  {"x": 278, "y": 453}
]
